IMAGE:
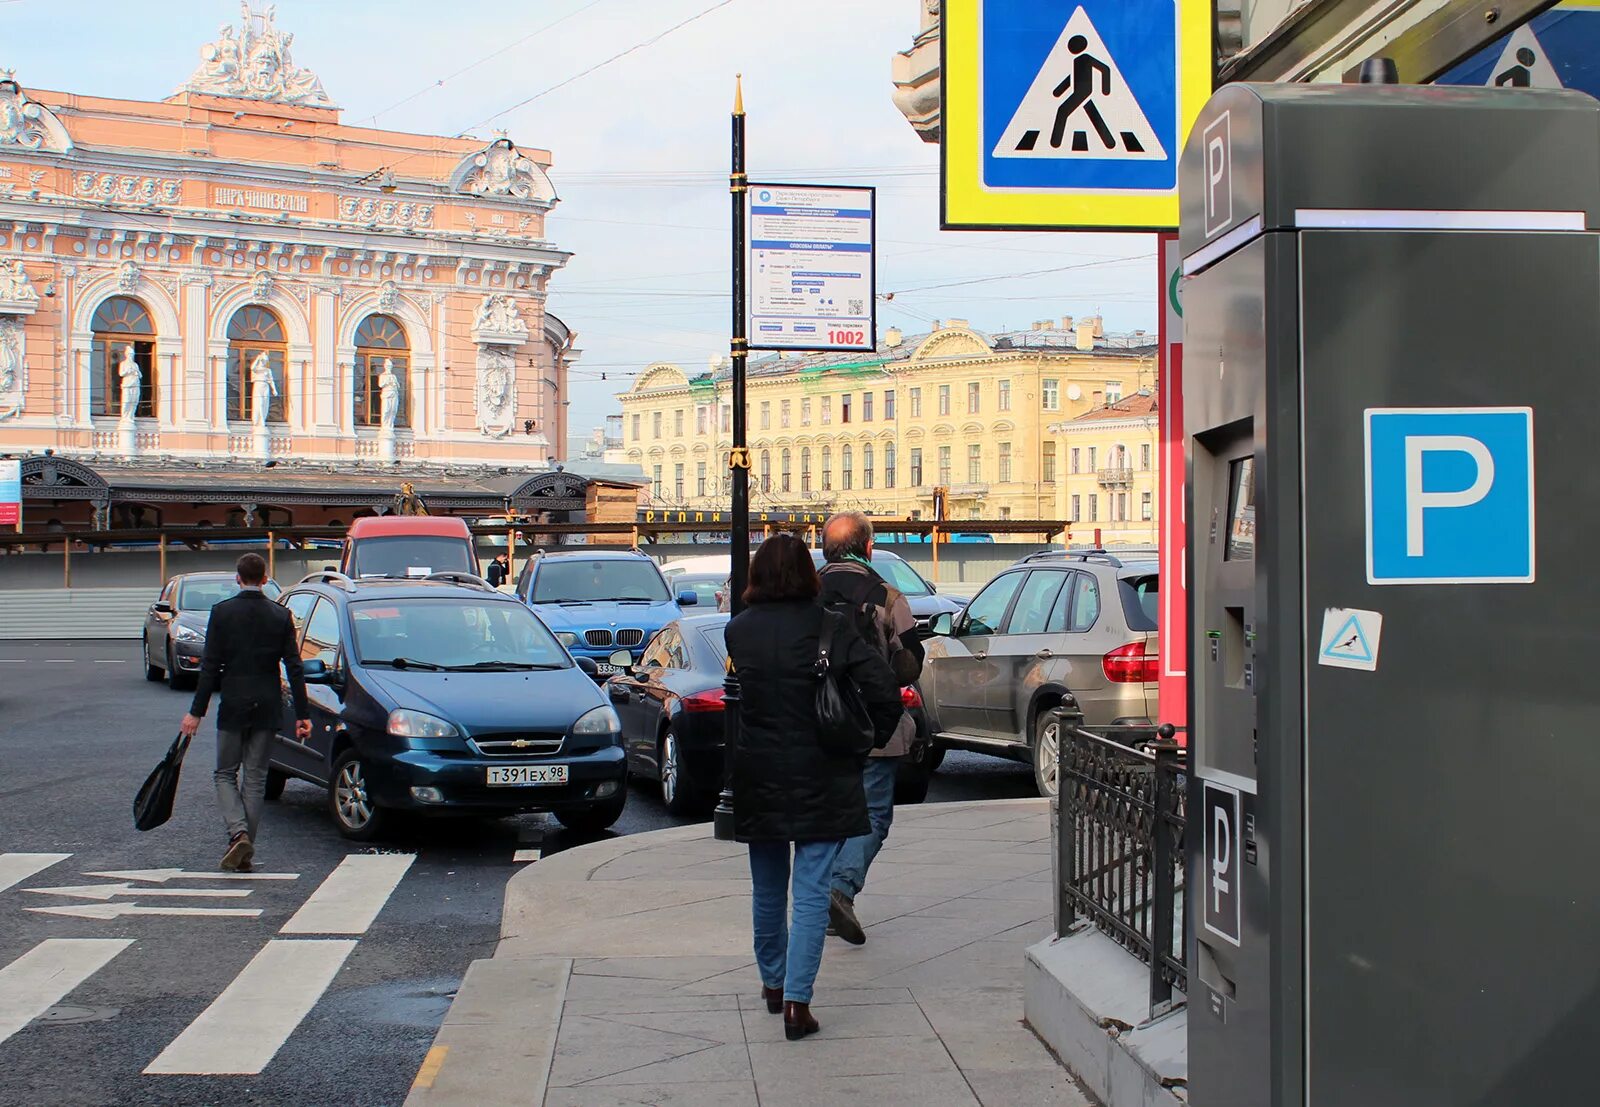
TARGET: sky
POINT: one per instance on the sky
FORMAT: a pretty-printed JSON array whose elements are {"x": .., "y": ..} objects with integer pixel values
[{"x": 640, "y": 146}]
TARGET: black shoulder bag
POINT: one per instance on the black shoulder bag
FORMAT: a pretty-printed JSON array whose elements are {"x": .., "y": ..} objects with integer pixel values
[{"x": 843, "y": 723}]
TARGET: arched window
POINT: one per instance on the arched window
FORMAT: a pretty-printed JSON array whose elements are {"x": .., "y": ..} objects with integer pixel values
[
  {"x": 847, "y": 471},
  {"x": 783, "y": 469},
  {"x": 827, "y": 468},
  {"x": 120, "y": 324},
  {"x": 805, "y": 468},
  {"x": 255, "y": 333},
  {"x": 380, "y": 339},
  {"x": 888, "y": 464},
  {"x": 866, "y": 465}
]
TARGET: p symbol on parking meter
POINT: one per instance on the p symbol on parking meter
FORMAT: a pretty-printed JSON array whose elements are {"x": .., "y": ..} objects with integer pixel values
[
  {"x": 1221, "y": 812},
  {"x": 1218, "y": 139},
  {"x": 1439, "y": 480}
]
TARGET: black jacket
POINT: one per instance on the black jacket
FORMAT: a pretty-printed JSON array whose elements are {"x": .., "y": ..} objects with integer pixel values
[
  {"x": 786, "y": 788},
  {"x": 246, "y": 638},
  {"x": 497, "y": 573}
]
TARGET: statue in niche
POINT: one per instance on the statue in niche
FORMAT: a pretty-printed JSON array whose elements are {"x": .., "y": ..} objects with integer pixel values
[
  {"x": 10, "y": 369},
  {"x": 263, "y": 389},
  {"x": 131, "y": 379},
  {"x": 389, "y": 391}
]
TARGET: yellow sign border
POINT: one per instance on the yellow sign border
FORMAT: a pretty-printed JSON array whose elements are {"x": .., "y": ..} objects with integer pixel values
[{"x": 965, "y": 204}]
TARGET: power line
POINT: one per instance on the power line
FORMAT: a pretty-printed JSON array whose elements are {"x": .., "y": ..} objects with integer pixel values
[{"x": 1030, "y": 273}]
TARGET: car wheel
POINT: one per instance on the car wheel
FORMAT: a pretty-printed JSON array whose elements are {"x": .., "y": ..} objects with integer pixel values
[
  {"x": 592, "y": 820},
  {"x": 275, "y": 783},
  {"x": 1047, "y": 754},
  {"x": 151, "y": 672},
  {"x": 912, "y": 776},
  {"x": 935, "y": 758},
  {"x": 353, "y": 811},
  {"x": 677, "y": 794},
  {"x": 176, "y": 680}
]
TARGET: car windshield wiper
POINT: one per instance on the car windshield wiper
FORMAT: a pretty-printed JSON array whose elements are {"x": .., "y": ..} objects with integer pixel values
[
  {"x": 408, "y": 663},
  {"x": 567, "y": 603},
  {"x": 500, "y": 666},
  {"x": 636, "y": 600}
]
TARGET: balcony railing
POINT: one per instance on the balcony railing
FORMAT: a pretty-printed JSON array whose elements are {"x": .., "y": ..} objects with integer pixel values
[{"x": 1116, "y": 478}]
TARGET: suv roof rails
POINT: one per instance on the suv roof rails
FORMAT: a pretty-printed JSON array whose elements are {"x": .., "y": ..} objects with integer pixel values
[
  {"x": 470, "y": 580},
  {"x": 330, "y": 576},
  {"x": 1076, "y": 555}
]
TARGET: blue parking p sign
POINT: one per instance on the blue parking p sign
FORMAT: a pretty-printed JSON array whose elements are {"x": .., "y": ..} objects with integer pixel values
[{"x": 1450, "y": 495}]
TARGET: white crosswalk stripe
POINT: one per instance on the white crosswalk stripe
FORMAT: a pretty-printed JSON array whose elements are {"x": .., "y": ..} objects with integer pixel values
[
  {"x": 249, "y": 1022},
  {"x": 350, "y": 898},
  {"x": 42, "y": 977},
  {"x": 17, "y": 867}
]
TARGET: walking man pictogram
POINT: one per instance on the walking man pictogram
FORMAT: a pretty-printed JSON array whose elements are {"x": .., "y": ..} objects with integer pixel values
[{"x": 1081, "y": 82}]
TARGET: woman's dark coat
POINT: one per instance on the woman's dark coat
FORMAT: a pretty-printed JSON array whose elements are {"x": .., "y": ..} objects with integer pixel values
[{"x": 786, "y": 787}]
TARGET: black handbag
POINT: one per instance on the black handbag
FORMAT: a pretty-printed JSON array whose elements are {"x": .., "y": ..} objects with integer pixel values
[
  {"x": 153, "y": 805},
  {"x": 844, "y": 725}
]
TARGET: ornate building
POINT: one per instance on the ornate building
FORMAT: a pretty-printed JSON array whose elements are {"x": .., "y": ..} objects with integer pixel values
[
  {"x": 235, "y": 274},
  {"x": 878, "y": 433}
]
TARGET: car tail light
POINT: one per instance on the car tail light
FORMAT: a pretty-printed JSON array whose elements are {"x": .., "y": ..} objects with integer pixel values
[
  {"x": 710, "y": 700},
  {"x": 1130, "y": 664},
  {"x": 910, "y": 697}
]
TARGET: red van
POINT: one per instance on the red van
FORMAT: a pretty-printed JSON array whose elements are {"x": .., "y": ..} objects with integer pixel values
[{"x": 407, "y": 546}]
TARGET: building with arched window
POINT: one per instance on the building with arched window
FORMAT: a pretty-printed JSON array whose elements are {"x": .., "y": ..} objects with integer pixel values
[{"x": 234, "y": 275}]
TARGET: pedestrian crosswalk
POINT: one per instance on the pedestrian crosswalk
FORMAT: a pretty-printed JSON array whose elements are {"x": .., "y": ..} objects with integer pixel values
[{"x": 256, "y": 1013}]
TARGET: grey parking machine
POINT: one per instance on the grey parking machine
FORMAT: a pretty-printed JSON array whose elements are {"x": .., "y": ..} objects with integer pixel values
[{"x": 1391, "y": 376}]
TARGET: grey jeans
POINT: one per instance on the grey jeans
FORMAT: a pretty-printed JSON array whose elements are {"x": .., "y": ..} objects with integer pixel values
[{"x": 246, "y": 750}]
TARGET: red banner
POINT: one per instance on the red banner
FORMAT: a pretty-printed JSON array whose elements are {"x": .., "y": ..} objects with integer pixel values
[{"x": 1174, "y": 473}]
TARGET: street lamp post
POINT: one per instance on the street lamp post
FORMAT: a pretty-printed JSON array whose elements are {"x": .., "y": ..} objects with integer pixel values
[{"x": 739, "y": 466}]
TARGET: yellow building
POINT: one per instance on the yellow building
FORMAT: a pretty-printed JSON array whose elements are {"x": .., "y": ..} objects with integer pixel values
[
  {"x": 1111, "y": 481},
  {"x": 877, "y": 433}
]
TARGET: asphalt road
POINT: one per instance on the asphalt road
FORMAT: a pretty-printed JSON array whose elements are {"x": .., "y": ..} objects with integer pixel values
[{"x": 356, "y": 1006}]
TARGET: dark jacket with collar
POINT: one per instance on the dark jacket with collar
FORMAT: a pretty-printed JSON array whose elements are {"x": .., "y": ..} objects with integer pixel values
[
  {"x": 850, "y": 587},
  {"x": 246, "y": 638},
  {"x": 787, "y": 788}
]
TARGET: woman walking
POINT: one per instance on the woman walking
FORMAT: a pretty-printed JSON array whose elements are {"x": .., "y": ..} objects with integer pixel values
[{"x": 794, "y": 801}]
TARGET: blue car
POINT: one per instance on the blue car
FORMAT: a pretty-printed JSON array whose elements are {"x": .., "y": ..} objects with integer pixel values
[
  {"x": 599, "y": 602},
  {"x": 444, "y": 695}
]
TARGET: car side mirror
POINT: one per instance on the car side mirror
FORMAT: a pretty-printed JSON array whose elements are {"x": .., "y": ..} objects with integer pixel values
[
  {"x": 932, "y": 589},
  {"x": 587, "y": 665},
  {"x": 942, "y": 624},
  {"x": 162, "y": 607},
  {"x": 623, "y": 660},
  {"x": 316, "y": 671},
  {"x": 688, "y": 599}
]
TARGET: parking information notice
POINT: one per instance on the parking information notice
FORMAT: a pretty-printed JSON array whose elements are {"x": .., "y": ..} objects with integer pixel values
[
  {"x": 10, "y": 493},
  {"x": 812, "y": 268}
]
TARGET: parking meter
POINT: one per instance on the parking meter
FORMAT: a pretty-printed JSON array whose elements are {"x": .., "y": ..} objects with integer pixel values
[{"x": 1392, "y": 328}]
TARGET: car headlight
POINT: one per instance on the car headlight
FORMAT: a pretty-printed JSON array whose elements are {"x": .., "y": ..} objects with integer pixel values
[
  {"x": 419, "y": 724},
  {"x": 187, "y": 634},
  {"x": 602, "y": 720},
  {"x": 566, "y": 638}
]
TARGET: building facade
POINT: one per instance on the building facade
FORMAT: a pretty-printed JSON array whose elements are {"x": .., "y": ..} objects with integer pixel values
[
  {"x": 236, "y": 273},
  {"x": 1110, "y": 484},
  {"x": 953, "y": 409}
]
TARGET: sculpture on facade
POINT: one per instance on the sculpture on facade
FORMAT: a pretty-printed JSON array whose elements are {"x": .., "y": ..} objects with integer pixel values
[
  {"x": 500, "y": 169},
  {"x": 131, "y": 379},
  {"x": 10, "y": 368},
  {"x": 263, "y": 389},
  {"x": 389, "y": 393},
  {"x": 496, "y": 374},
  {"x": 15, "y": 287},
  {"x": 20, "y": 118},
  {"x": 255, "y": 64},
  {"x": 498, "y": 314}
]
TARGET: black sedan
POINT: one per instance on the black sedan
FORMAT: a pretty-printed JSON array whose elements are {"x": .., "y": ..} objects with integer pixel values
[
  {"x": 670, "y": 704},
  {"x": 175, "y": 626}
]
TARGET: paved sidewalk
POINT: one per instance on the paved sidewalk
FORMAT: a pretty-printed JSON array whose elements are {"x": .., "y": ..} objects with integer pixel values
[{"x": 624, "y": 976}]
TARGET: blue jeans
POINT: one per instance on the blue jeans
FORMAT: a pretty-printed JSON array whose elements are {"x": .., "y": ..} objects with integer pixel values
[
  {"x": 850, "y": 871},
  {"x": 790, "y": 955}
]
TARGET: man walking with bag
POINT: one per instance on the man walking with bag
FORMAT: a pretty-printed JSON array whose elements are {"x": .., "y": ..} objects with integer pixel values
[
  {"x": 246, "y": 638},
  {"x": 882, "y": 616}
]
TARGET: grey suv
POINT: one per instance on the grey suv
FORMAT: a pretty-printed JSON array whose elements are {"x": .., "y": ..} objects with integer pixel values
[{"x": 1081, "y": 625}]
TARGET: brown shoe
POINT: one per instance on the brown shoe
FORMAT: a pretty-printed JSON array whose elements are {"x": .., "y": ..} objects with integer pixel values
[
  {"x": 240, "y": 852},
  {"x": 842, "y": 918},
  {"x": 774, "y": 998},
  {"x": 797, "y": 1021}
]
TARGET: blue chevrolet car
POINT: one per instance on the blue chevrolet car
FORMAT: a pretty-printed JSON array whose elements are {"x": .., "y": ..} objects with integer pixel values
[{"x": 598, "y": 602}]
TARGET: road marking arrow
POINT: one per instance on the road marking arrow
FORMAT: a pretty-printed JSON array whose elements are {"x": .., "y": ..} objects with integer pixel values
[
  {"x": 116, "y": 910},
  {"x": 106, "y": 891},
  {"x": 161, "y": 876}
]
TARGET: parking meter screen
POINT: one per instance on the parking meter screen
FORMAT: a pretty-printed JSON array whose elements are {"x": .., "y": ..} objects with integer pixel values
[{"x": 1242, "y": 510}]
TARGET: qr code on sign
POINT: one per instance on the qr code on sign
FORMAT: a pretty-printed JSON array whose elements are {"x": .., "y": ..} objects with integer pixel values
[{"x": 855, "y": 307}]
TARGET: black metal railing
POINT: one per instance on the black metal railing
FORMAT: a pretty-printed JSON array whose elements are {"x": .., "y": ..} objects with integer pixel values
[{"x": 1121, "y": 851}]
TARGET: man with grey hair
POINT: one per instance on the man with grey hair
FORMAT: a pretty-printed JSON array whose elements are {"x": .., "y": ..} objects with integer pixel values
[{"x": 881, "y": 615}]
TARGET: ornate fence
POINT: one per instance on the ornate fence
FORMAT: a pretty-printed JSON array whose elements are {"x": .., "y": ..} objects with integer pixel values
[{"x": 1122, "y": 818}]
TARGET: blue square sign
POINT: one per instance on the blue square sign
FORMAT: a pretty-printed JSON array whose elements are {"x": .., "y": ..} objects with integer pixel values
[{"x": 1450, "y": 496}]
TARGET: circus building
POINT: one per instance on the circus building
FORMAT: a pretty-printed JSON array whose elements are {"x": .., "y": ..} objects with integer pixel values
[{"x": 232, "y": 292}]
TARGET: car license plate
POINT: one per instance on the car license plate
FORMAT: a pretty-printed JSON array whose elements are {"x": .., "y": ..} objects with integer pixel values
[
  {"x": 604, "y": 669},
  {"x": 523, "y": 775}
]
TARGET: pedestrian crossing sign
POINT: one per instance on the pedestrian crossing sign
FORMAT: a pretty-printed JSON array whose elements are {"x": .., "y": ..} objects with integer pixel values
[{"x": 1069, "y": 115}]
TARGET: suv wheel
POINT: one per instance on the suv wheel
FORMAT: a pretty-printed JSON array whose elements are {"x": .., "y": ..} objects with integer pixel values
[
  {"x": 1047, "y": 754},
  {"x": 355, "y": 814},
  {"x": 152, "y": 672},
  {"x": 275, "y": 782},
  {"x": 677, "y": 794},
  {"x": 592, "y": 820}
]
